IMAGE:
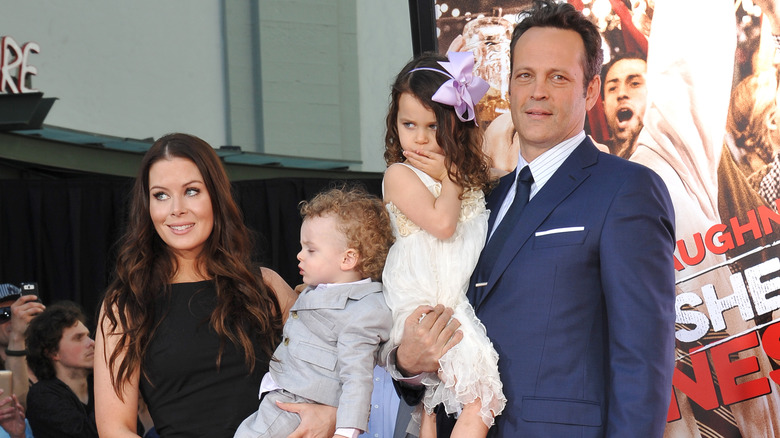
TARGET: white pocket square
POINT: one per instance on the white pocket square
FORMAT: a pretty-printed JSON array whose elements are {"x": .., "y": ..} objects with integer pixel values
[{"x": 559, "y": 230}]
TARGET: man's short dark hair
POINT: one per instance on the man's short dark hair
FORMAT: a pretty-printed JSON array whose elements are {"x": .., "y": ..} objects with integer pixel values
[
  {"x": 44, "y": 333},
  {"x": 548, "y": 13}
]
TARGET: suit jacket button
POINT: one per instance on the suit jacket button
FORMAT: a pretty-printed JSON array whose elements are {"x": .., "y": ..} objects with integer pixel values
[
  {"x": 286, "y": 341},
  {"x": 295, "y": 314}
]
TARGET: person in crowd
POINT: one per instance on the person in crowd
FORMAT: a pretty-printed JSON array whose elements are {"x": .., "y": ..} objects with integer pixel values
[
  {"x": 434, "y": 189},
  {"x": 332, "y": 338},
  {"x": 189, "y": 321},
  {"x": 16, "y": 312},
  {"x": 582, "y": 321},
  {"x": 625, "y": 99},
  {"x": 61, "y": 355}
]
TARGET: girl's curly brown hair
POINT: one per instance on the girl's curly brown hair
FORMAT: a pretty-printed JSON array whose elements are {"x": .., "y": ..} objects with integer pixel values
[
  {"x": 460, "y": 141},
  {"x": 363, "y": 219}
]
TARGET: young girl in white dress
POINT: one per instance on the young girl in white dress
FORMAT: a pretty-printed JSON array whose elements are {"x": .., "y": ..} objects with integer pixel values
[{"x": 433, "y": 189}]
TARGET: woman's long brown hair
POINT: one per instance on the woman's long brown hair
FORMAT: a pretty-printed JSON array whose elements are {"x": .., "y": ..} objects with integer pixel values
[{"x": 246, "y": 309}]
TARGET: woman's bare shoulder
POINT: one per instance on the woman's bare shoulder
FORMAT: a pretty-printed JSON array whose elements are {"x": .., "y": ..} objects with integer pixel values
[{"x": 284, "y": 293}]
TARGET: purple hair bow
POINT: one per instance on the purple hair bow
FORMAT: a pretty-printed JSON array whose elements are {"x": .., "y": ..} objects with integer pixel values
[{"x": 464, "y": 89}]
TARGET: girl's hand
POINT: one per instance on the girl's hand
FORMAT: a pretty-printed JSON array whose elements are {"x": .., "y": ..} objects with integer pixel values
[{"x": 431, "y": 163}]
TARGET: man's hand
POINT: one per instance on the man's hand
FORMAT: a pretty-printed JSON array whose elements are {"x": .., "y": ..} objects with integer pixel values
[
  {"x": 317, "y": 421},
  {"x": 429, "y": 332},
  {"x": 23, "y": 310}
]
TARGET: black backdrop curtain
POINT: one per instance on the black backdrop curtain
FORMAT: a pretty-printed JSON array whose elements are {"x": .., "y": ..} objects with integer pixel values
[{"x": 61, "y": 233}]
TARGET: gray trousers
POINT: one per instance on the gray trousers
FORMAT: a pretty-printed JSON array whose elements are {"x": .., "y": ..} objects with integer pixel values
[
  {"x": 269, "y": 421},
  {"x": 404, "y": 426}
]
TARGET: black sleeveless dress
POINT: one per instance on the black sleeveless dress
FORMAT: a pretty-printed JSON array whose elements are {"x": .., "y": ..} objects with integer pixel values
[{"x": 186, "y": 394}]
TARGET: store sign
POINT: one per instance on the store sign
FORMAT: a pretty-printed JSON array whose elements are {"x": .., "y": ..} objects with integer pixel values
[{"x": 14, "y": 66}]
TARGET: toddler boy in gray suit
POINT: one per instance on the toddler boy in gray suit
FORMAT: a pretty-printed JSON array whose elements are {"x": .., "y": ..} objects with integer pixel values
[{"x": 333, "y": 332}]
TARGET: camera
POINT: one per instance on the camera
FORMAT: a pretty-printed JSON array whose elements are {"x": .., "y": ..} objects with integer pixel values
[{"x": 30, "y": 289}]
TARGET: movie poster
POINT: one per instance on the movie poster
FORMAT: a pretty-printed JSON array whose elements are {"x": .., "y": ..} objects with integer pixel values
[{"x": 690, "y": 90}]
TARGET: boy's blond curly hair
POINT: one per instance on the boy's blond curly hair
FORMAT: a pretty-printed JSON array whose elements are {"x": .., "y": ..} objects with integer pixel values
[{"x": 363, "y": 219}]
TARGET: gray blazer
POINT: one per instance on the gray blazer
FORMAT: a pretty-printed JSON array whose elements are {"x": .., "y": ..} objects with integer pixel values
[{"x": 330, "y": 347}]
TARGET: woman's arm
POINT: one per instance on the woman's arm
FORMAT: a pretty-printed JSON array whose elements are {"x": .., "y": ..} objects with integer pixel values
[
  {"x": 284, "y": 294},
  {"x": 438, "y": 216},
  {"x": 115, "y": 416}
]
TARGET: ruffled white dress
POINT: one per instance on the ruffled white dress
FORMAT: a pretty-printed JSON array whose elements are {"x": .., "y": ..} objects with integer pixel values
[{"x": 423, "y": 270}]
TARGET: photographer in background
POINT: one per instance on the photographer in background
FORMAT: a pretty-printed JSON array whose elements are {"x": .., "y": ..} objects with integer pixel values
[
  {"x": 16, "y": 312},
  {"x": 61, "y": 355}
]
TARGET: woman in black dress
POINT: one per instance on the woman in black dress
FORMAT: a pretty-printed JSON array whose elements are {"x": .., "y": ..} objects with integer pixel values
[{"x": 188, "y": 322}]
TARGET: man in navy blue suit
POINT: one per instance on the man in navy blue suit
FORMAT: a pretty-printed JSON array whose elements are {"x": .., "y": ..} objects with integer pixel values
[{"x": 576, "y": 286}]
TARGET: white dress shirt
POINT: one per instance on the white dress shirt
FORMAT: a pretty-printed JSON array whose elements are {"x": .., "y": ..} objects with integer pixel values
[{"x": 542, "y": 169}]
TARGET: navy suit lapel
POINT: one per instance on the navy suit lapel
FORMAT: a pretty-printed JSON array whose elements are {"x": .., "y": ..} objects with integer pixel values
[
  {"x": 565, "y": 180},
  {"x": 493, "y": 203},
  {"x": 497, "y": 195}
]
